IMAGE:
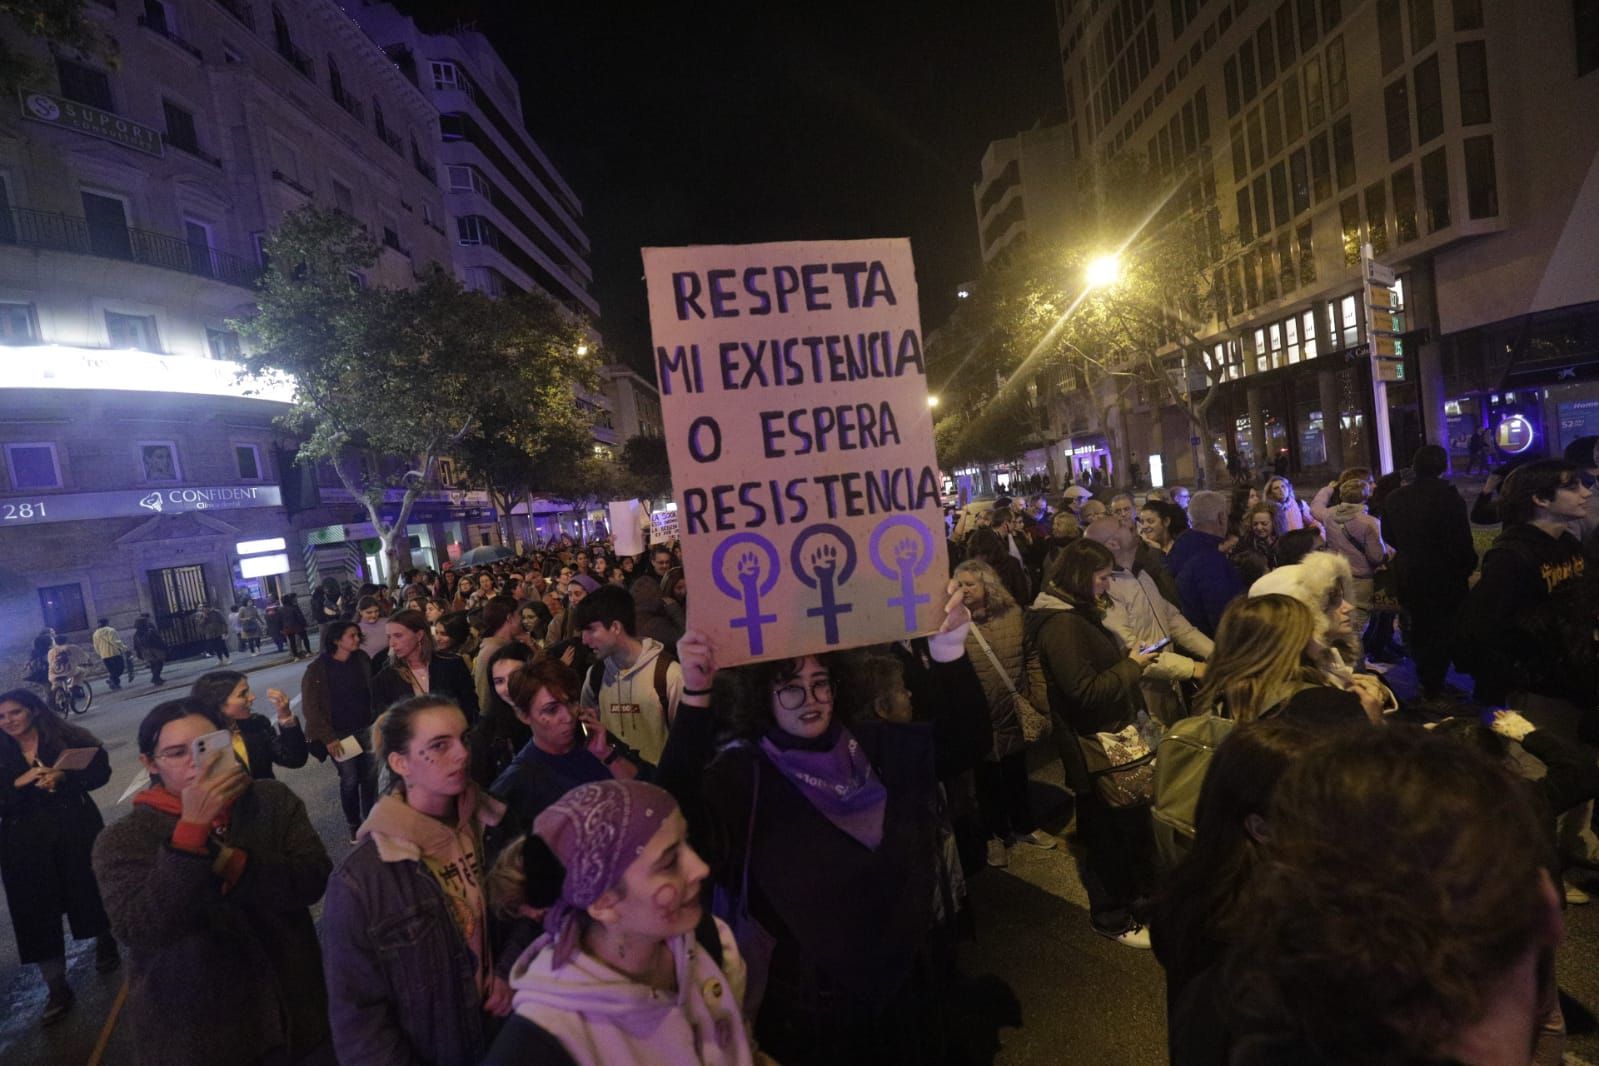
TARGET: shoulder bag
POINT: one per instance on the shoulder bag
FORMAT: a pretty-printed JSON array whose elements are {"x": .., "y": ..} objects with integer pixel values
[{"x": 1035, "y": 724}]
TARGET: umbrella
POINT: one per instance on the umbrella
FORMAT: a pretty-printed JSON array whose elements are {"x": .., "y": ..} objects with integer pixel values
[{"x": 489, "y": 553}]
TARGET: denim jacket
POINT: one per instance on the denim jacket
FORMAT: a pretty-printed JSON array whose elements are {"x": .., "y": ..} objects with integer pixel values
[{"x": 402, "y": 988}]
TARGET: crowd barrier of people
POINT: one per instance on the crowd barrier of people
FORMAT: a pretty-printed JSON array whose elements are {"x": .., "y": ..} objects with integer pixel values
[{"x": 578, "y": 839}]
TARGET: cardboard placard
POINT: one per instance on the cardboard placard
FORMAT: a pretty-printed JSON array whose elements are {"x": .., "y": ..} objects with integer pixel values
[
  {"x": 663, "y": 527},
  {"x": 627, "y": 527},
  {"x": 794, "y": 395}
]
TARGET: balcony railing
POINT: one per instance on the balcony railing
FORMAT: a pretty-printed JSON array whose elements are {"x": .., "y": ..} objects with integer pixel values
[
  {"x": 55, "y": 232},
  {"x": 239, "y": 10},
  {"x": 159, "y": 28}
]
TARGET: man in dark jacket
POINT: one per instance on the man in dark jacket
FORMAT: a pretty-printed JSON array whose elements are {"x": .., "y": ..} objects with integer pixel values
[
  {"x": 1206, "y": 580},
  {"x": 1425, "y": 522},
  {"x": 1529, "y": 622}
]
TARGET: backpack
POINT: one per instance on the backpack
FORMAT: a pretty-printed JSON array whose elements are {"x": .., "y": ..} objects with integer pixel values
[
  {"x": 596, "y": 677},
  {"x": 1181, "y": 762}
]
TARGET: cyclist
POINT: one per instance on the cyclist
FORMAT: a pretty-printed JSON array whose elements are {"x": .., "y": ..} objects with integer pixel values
[{"x": 66, "y": 671}]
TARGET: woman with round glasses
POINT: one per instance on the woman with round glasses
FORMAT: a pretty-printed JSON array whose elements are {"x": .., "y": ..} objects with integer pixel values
[{"x": 820, "y": 826}]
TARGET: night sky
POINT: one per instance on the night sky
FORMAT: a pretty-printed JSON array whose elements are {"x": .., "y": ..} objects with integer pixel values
[{"x": 699, "y": 123}]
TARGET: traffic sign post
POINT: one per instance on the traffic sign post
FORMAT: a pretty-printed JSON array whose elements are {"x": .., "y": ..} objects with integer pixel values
[{"x": 1384, "y": 323}]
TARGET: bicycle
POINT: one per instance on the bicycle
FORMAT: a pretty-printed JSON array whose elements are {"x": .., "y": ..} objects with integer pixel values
[{"x": 71, "y": 695}]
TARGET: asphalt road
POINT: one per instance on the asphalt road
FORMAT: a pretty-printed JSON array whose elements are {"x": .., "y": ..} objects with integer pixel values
[{"x": 1040, "y": 988}]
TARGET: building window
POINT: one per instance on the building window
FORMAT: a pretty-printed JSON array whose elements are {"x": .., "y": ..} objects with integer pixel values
[
  {"x": 1240, "y": 159},
  {"x": 1396, "y": 100},
  {"x": 1257, "y": 140},
  {"x": 258, "y": 241},
  {"x": 1337, "y": 78},
  {"x": 1351, "y": 331},
  {"x": 1268, "y": 57},
  {"x": 1247, "y": 74},
  {"x": 1587, "y": 19},
  {"x": 1246, "y": 228},
  {"x": 1315, "y": 109},
  {"x": 1280, "y": 213},
  {"x": 1472, "y": 61},
  {"x": 1377, "y": 217},
  {"x": 84, "y": 84},
  {"x": 1429, "y": 100},
  {"x": 1343, "y": 135},
  {"x": 1309, "y": 26},
  {"x": 158, "y": 460},
  {"x": 131, "y": 331},
  {"x": 1468, "y": 14},
  {"x": 335, "y": 81},
  {"x": 197, "y": 235},
  {"x": 248, "y": 459},
  {"x": 1251, "y": 281},
  {"x": 62, "y": 608},
  {"x": 106, "y": 218},
  {"x": 1423, "y": 27},
  {"x": 223, "y": 344},
  {"x": 1229, "y": 73},
  {"x": 1435, "y": 190},
  {"x": 1285, "y": 258},
  {"x": 1404, "y": 183},
  {"x": 448, "y": 76},
  {"x": 33, "y": 466},
  {"x": 1331, "y": 12},
  {"x": 1274, "y": 125},
  {"x": 1390, "y": 35},
  {"x": 1320, "y": 167},
  {"x": 1268, "y": 274},
  {"x": 446, "y": 471},
  {"x": 1307, "y": 273},
  {"x": 1349, "y": 220},
  {"x": 343, "y": 198},
  {"x": 180, "y": 128},
  {"x": 1292, "y": 120},
  {"x": 17, "y": 324},
  {"x": 1299, "y": 182},
  {"x": 1262, "y": 207},
  {"x": 1482, "y": 185}
]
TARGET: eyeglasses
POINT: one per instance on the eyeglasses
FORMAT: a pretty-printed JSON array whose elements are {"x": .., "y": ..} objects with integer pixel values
[{"x": 792, "y": 697}]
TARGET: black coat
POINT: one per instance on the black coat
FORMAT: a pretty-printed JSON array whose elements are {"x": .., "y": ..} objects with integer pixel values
[
  {"x": 447, "y": 676},
  {"x": 46, "y": 839},
  {"x": 265, "y": 744},
  {"x": 1425, "y": 523}
]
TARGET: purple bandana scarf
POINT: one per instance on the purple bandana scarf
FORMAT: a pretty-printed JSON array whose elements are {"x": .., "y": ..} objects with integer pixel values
[{"x": 839, "y": 783}]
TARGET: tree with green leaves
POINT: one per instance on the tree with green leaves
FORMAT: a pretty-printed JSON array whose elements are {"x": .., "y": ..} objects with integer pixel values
[
  {"x": 1032, "y": 316},
  {"x": 62, "y": 22},
  {"x": 412, "y": 375},
  {"x": 644, "y": 457}
]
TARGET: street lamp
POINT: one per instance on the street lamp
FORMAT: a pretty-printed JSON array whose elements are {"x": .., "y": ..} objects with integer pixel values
[
  {"x": 582, "y": 349},
  {"x": 932, "y": 400},
  {"x": 1103, "y": 271}
]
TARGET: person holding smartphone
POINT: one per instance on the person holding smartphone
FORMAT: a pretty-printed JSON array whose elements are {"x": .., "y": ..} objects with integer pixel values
[
  {"x": 569, "y": 746},
  {"x": 336, "y": 696},
  {"x": 254, "y": 739},
  {"x": 48, "y": 825},
  {"x": 209, "y": 883}
]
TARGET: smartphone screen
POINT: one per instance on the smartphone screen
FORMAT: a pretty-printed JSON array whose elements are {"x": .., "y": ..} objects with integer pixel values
[
  {"x": 1159, "y": 644},
  {"x": 202, "y": 746}
]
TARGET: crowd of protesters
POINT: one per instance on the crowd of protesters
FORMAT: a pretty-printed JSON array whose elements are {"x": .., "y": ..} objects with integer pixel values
[{"x": 577, "y": 839}]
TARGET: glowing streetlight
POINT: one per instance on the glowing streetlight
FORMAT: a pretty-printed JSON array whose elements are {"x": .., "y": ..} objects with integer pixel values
[
  {"x": 582, "y": 349},
  {"x": 932, "y": 400},
  {"x": 1103, "y": 271}
]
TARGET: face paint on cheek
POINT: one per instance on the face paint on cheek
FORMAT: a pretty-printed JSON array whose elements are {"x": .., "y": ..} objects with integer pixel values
[{"x": 667, "y": 899}]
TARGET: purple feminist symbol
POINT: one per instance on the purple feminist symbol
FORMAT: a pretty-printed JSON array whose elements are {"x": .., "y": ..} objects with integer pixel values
[
  {"x": 818, "y": 568},
  {"x": 913, "y": 554},
  {"x": 752, "y": 583}
]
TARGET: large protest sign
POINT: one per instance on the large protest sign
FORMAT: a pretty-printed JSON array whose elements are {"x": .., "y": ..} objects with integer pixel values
[{"x": 794, "y": 394}]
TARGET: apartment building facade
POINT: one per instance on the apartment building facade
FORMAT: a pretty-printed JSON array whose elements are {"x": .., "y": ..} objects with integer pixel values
[
  {"x": 1023, "y": 188},
  {"x": 1448, "y": 135},
  {"x": 141, "y": 473}
]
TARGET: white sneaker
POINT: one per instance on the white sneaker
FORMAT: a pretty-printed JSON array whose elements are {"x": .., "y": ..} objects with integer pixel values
[
  {"x": 1576, "y": 896},
  {"x": 1136, "y": 935},
  {"x": 997, "y": 853},
  {"x": 1038, "y": 839}
]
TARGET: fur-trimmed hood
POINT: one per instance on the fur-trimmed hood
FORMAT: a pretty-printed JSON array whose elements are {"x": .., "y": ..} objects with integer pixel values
[{"x": 1311, "y": 581}]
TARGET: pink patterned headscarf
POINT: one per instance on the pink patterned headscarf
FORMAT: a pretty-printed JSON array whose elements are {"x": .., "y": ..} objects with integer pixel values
[{"x": 596, "y": 831}]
